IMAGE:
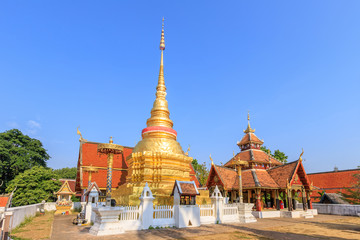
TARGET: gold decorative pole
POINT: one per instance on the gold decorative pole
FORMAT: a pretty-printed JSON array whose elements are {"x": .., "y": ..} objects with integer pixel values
[
  {"x": 90, "y": 169},
  {"x": 109, "y": 149},
  {"x": 239, "y": 165}
]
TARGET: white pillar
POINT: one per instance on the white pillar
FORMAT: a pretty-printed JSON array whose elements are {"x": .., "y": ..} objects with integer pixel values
[
  {"x": 217, "y": 200},
  {"x": 146, "y": 207}
]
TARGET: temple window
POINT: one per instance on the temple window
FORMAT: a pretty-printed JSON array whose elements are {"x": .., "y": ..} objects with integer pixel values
[{"x": 187, "y": 200}]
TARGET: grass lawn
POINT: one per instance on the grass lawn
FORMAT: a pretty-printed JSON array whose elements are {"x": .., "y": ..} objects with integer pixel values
[{"x": 38, "y": 227}]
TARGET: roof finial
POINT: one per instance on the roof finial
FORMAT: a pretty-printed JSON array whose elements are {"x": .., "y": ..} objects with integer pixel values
[
  {"x": 79, "y": 133},
  {"x": 249, "y": 129},
  {"x": 111, "y": 140},
  {"x": 212, "y": 162},
  {"x": 188, "y": 150},
  {"x": 300, "y": 158}
]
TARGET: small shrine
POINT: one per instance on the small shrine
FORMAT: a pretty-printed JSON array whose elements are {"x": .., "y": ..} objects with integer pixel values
[
  {"x": 187, "y": 213},
  {"x": 185, "y": 193},
  {"x": 66, "y": 191}
]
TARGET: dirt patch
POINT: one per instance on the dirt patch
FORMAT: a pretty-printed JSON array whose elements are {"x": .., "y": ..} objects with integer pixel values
[
  {"x": 37, "y": 228},
  {"x": 348, "y": 228}
]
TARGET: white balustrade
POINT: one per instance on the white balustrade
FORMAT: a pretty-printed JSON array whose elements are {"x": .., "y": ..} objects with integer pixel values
[
  {"x": 163, "y": 212},
  {"x": 129, "y": 213},
  {"x": 230, "y": 209},
  {"x": 206, "y": 210}
]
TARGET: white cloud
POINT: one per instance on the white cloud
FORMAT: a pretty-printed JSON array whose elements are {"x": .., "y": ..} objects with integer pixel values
[
  {"x": 33, "y": 124},
  {"x": 33, "y": 127}
]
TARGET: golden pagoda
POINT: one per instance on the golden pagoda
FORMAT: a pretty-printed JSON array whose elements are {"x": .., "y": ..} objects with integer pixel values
[{"x": 158, "y": 158}]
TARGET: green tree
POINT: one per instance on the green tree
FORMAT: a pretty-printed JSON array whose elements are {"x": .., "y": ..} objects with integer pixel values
[
  {"x": 69, "y": 173},
  {"x": 202, "y": 172},
  {"x": 19, "y": 152},
  {"x": 33, "y": 186},
  {"x": 277, "y": 154},
  {"x": 353, "y": 196}
]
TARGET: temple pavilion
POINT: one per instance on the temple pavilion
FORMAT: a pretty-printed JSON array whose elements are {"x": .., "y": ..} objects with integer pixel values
[{"x": 254, "y": 176}]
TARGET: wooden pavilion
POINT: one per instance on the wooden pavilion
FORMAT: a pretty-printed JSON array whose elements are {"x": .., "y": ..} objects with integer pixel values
[{"x": 265, "y": 181}]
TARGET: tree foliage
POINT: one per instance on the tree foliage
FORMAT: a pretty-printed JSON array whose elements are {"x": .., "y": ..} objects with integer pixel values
[
  {"x": 277, "y": 154},
  {"x": 69, "y": 173},
  {"x": 202, "y": 172},
  {"x": 353, "y": 194},
  {"x": 33, "y": 186},
  {"x": 19, "y": 152}
]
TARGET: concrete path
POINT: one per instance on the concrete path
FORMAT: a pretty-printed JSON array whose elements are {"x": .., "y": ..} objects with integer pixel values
[{"x": 64, "y": 229}]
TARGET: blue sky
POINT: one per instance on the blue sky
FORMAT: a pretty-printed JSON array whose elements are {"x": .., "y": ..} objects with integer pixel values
[{"x": 293, "y": 64}]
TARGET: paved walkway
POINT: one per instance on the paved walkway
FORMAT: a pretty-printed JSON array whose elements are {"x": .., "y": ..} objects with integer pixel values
[{"x": 64, "y": 229}]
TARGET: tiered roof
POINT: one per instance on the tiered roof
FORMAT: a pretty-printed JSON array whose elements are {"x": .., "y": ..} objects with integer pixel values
[
  {"x": 257, "y": 156},
  {"x": 272, "y": 178},
  {"x": 250, "y": 146}
]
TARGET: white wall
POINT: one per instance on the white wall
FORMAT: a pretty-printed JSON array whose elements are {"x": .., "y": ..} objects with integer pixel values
[
  {"x": 337, "y": 209},
  {"x": 20, "y": 213},
  {"x": 50, "y": 206}
]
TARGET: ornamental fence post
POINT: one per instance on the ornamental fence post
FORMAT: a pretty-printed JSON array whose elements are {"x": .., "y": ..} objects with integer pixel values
[
  {"x": 146, "y": 208},
  {"x": 217, "y": 200}
]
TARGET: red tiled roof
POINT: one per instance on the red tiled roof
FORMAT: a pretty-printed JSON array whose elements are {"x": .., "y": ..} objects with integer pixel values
[
  {"x": 193, "y": 176},
  {"x": 228, "y": 177},
  {"x": 283, "y": 174},
  {"x": 247, "y": 179},
  {"x": 71, "y": 182},
  {"x": 91, "y": 156},
  {"x": 258, "y": 156},
  {"x": 332, "y": 182},
  {"x": 265, "y": 179},
  {"x": 339, "y": 179},
  {"x": 188, "y": 189},
  {"x": 250, "y": 137},
  {"x": 88, "y": 156},
  {"x": 185, "y": 188},
  {"x": 3, "y": 201}
]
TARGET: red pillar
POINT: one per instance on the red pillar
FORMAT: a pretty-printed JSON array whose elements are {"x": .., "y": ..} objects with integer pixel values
[
  {"x": 308, "y": 193},
  {"x": 258, "y": 201}
]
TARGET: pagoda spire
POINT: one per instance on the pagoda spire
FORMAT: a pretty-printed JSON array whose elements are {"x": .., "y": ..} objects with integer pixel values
[
  {"x": 160, "y": 114},
  {"x": 249, "y": 129}
]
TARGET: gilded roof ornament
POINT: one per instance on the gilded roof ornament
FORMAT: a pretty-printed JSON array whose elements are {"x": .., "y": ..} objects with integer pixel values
[
  {"x": 249, "y": 129},
  {"x": 81, "y": 139},
  {"x": 188, "y": 150},
  {"x": 300, "y": 158},
  {"x": 212, "y": 162}
]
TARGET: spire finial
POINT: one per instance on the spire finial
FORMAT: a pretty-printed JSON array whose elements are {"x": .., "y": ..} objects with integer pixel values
[
  {"x": 111, "y": 140},
  {"x": 162, "y": 41},
  {"x": 249, "y": 129},
  {"x": 160, "y": 112}
]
